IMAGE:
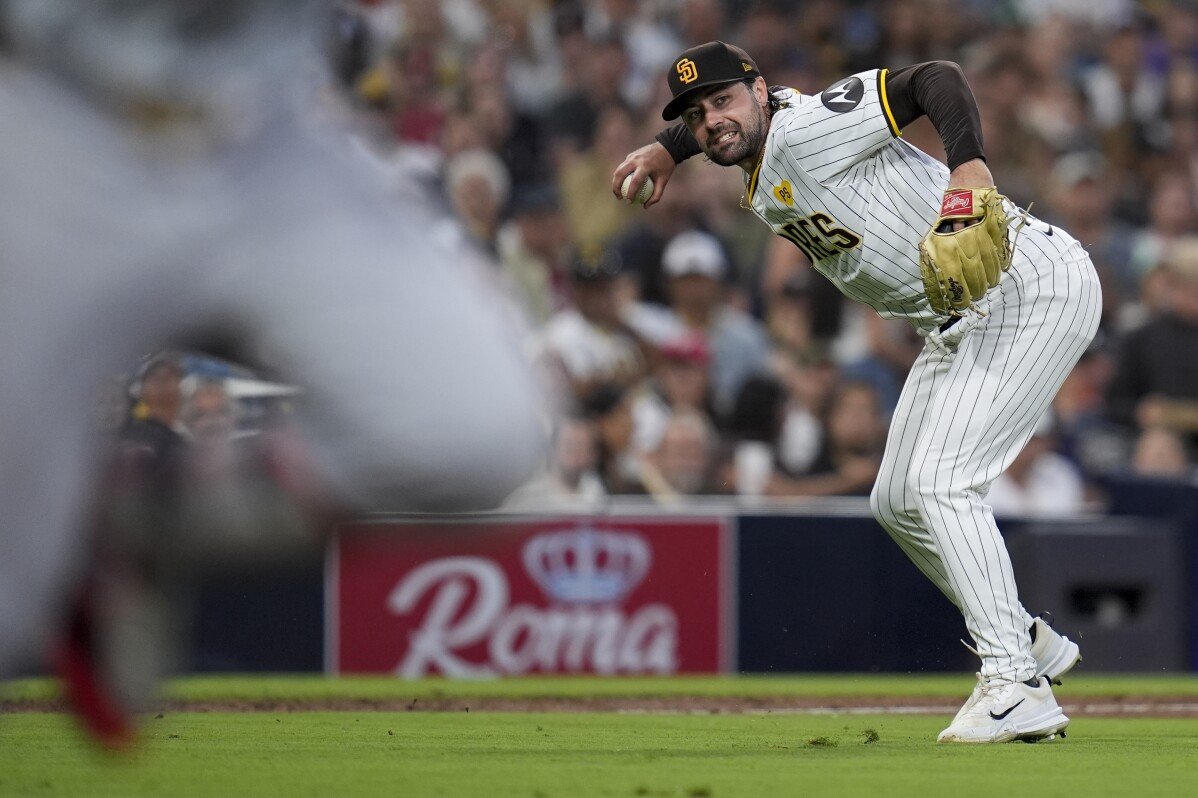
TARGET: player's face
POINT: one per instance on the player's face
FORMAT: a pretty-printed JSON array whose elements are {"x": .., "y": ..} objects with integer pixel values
[{"x": 729, "y": 122}]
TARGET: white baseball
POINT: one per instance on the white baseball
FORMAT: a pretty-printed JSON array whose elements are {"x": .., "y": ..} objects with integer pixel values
[{"x": 643, "y": 195}]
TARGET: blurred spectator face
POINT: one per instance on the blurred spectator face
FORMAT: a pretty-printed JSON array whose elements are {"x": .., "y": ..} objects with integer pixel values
[
  {"x": 1171, "y": 207},
  {"x": 620, "y": 10},
  {"x": 475, "y": 203},
  {"x": 684, "y": 456},
  {"x": 1181, "y": 278},
  {"x": 1155, "y": 289},
  {"x": 701, "y": 21},
  {"x": 614, "y": 134},
  {"x": 1049, "y": 47},
  {"x": 460, "y": 134},
  {"x": 486, "y": 72},
  {"x": 544, "y": 231},
  {"x": 1080, "y": 188},
  {"x": 597, "y": 301},
  {"x": 615, "y": 427},
  {"x": 854, "y": 421},
  {"x": 684, "y": 381},
  {"x": 694, "y": 291},
  {"x": 1160, "y": 453},
  {"x": 423, "y": 21},
  {"x": 604, "y": 69},
  {"x": 574, "y": 451},
  {"x": 209, "y": 415},
  {"x": 809, "y": 383},
  {"x": 478, "y": 187},
  {"x": 766, "y": 33},
  {"x": 492, "y": 115},
  {"x": 694, "y": 263},
  {"x": 1124, "y": 54},
  {"x": 161, "y": 392}
]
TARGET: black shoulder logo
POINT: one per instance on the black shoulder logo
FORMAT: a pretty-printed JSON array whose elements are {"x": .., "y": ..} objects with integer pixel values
[{"x": 844, "y": 95}]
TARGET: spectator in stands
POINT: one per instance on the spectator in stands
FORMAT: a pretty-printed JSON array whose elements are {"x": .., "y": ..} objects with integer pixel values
[
  {"x": 749, "y": 461},
  {"x": 642, "y": 242},
  {"x": 702, "y": 21},
  {"x": 1123, "y": 92},
  {"x": 590, "y": 341},
  {"x": 682, "y": 462},
  {"x": 810, "y": 380},
  {"x": 596, "y": 224},
  {"x": 533, "y": 68},
  {"x": 695, "y": 264},
  {"x": 153, "y": 440},
  {"x": 854, "y": 436},
  {"x": 1084, "y": 434},
  {"x": 570, "y": 477},
  {"x": 1160, "y": 452},
  {"x": 1081, "y": 196},
  {"x": 533, "y": 251},
  {"x": 1040, "y": 482},
  {"x": 1171, "y": 216},
  {"x": 478, "y": 186},
  {"x": 678, "y": 384},
  {"x": 1155, "y": 383},
  {"x": 594, "y": 79},
  {"x": 516, "y": 137},
  {"x": 609, "y": 406},
  {"x": 891, "y": 346},
  {"x": 210, "y": 417},
  {"x": 647, "y": 41},
  {"x": 209, "y": 414}
]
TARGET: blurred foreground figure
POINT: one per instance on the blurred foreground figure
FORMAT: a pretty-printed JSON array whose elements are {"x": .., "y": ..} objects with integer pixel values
[{"x": 164, "y": 183}]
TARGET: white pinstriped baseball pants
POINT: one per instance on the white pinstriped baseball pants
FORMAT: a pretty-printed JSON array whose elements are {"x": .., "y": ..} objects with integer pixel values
[{"x": 968, "y": 407}]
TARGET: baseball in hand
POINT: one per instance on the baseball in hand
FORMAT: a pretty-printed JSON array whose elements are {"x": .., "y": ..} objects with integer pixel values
[{"x": 643, "y": 195}]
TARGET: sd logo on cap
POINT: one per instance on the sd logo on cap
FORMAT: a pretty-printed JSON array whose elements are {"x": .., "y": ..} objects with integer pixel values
[{"x": 702, "y": 66}]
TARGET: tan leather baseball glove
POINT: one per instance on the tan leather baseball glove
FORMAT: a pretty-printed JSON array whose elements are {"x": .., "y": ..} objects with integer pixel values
[{"x": 960, "y": 267}]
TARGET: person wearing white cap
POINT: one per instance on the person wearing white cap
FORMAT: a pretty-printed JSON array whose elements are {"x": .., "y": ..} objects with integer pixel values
[{"x": 695, "y": 264}]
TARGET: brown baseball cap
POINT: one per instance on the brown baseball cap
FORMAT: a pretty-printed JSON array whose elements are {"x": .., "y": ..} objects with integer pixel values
[{"x": 705, "y": 65}]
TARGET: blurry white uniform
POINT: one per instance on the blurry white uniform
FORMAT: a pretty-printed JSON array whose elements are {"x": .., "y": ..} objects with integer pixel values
[{"x": 114, "y": 241}]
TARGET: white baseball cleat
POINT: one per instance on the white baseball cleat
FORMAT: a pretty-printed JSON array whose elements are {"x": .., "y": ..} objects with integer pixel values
[
  {"x": 1006, "y": 712},
  {"x": 1054, "y": 653}
]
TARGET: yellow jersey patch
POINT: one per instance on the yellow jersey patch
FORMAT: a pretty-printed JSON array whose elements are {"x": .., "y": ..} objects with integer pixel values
[{"x": 783, "y": 193}]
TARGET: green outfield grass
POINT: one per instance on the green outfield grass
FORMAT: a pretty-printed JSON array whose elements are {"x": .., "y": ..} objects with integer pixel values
[
  {"x": 560, "y": 755},
  {"x": 307, "y": 687}
]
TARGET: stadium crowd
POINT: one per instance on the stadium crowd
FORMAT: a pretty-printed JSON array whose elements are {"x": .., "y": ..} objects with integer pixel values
[{"x": 699, "y": 353}]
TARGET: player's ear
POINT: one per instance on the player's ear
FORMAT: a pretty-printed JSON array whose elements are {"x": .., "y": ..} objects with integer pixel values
[{"x": 761, "y": 91}]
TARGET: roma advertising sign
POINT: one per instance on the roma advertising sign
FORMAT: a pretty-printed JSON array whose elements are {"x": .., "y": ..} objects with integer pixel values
[{"x": 563, "y": 595}]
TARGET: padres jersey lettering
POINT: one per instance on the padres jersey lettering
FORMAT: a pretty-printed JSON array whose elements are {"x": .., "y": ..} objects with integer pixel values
[{"x": 817, "y": 236}]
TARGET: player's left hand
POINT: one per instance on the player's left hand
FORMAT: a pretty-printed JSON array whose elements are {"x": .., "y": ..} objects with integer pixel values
[
  {"x": 652, "y": 160},
  {"x": 971, "y": 174},
  {"x": 965, "y": 253}
]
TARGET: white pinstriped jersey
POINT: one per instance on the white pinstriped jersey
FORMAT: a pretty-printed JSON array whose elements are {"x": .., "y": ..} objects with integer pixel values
[{"x": 838, "y": 182}]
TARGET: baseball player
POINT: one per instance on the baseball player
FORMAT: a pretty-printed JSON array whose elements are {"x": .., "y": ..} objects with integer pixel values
[
  {"x": 163, "y": 179},
  {"x": 1005, "y": 303}
]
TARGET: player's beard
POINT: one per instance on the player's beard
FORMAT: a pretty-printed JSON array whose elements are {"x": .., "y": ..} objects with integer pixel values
[{"x": 749, "y": 141}]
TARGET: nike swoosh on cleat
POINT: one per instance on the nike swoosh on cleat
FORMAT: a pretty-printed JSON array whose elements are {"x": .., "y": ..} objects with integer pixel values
[{"x": 1008, "y": 710}]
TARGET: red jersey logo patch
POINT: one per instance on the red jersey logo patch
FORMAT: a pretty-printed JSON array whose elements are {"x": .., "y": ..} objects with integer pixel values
[{"x": 957, "y": 203}]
